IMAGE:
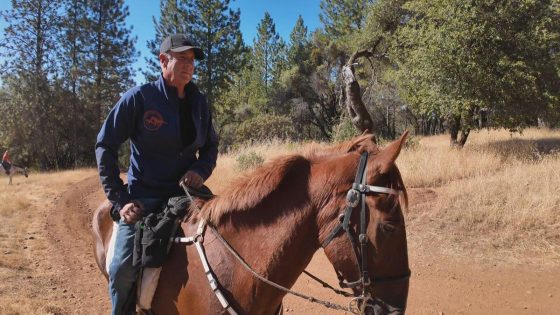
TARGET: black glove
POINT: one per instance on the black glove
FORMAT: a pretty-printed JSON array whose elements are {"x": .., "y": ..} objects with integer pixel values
[{"x": 178, "y": 206}]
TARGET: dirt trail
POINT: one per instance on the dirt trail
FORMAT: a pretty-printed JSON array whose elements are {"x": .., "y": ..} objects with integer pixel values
[
  {"x": 440, "y": 284},
  {"x": 69, "y": 228}
]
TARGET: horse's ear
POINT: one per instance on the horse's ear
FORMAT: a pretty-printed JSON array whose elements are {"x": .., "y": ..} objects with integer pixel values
[
  {"x": 360, "y": 143},
  {"x": 385, "y": 160}
]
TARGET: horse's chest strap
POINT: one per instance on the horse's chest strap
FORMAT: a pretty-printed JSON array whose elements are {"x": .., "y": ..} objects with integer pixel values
[{"x": 198, "y": 239}]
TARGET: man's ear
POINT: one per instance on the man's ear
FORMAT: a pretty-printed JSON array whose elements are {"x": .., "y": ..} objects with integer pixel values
[{"x": 163, "y": 60}]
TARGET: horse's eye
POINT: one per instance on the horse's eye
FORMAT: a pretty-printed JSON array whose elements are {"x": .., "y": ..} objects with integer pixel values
[{"x": 387, "y": 227}]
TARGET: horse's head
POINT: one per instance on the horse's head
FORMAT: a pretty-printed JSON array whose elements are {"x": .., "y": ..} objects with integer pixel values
[{"x": 361, "y": 225}]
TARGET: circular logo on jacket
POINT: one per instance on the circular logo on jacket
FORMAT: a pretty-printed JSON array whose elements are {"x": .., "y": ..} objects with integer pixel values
[{"x": 153, "y": 120}]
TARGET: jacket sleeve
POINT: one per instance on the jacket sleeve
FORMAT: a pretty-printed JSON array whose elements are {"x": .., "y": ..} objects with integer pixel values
[
  {"x": 117, "y": 128},
  {"x": 208, "y": 153}
]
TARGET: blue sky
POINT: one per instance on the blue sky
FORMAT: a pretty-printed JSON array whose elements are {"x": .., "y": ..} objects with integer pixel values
[{"x": 283, "y": 12}]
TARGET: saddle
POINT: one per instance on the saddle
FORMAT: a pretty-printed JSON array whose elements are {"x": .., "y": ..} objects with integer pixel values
[
  {"x": 153, "y": 233},
  {"x": 152, "y": 242}
]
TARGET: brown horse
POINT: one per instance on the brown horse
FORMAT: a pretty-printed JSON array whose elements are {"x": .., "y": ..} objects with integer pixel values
[{"x": 277, "y": 217}]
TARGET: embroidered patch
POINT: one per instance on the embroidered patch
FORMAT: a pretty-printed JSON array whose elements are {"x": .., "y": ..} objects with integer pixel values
[{"x": 153, "y": 120}]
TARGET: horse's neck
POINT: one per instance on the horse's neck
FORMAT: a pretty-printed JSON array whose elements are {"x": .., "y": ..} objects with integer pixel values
[{"x": 278, "y": 246}]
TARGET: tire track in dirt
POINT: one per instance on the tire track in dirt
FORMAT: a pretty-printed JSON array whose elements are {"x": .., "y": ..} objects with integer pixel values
[{"x": 69, "y": 228}]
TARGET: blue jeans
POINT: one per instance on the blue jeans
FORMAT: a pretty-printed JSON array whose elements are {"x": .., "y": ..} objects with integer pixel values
[{"x": 122, "y": 275}]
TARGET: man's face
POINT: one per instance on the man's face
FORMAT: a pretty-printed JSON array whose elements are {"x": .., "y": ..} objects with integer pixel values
[{"x": 179, "y": 68}]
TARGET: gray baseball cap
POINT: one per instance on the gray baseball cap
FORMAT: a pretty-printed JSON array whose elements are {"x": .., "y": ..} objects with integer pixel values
[{"x": 179, "y": 43}]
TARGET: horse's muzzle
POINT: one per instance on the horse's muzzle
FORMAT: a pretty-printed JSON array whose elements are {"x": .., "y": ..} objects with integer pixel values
[
  {"x": 389, "y": 298},
  {"x": 378, "y": 307}
]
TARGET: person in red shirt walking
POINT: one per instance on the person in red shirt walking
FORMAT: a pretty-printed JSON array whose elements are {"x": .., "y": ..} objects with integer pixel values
[{"x": 6, "y": 163}]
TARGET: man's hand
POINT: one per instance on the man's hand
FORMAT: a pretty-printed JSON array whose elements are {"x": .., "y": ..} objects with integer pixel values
[
  {"x": 192, "y": 179},
  {"x": 131, "y": 212}
]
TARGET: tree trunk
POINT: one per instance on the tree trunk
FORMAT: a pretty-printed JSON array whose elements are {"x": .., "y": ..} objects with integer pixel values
[
  {"x": 358, "y": 113},
  {"x": 454, "y": 125},
  {"x": 356, "y": 109},
  {"x": 464, "y": 135}
]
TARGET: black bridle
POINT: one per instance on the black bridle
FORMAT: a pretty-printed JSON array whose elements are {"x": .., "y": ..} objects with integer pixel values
[{"x": 354, "y": 197}]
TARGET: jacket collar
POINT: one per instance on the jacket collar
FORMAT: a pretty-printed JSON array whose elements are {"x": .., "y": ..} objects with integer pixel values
[{"x": 170, "y": 92}]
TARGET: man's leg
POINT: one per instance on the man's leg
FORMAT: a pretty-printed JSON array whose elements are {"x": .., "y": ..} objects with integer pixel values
[{"x": 122, "y": 275}]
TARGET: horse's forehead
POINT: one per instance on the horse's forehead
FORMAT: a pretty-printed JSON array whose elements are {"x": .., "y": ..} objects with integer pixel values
[{"x": 365, "y": 145}]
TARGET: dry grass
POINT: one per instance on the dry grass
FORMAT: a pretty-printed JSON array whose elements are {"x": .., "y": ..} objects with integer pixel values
[
  {"x": 434, "y": 166},
  {"x": 433, "y": 163},
  {"x": 23, "y": 243},
  {"x": 501, "y": 193},
  {"x": 523, "y": 197}
]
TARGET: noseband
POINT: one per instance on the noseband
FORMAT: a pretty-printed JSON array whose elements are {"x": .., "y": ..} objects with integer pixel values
[{"x": 354, "y": 197}]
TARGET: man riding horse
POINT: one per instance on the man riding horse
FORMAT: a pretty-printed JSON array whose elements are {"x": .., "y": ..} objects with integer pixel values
[
  {"x": 242, "y": 251},
  {"x": 172, "y": 141},
  {"x": 10, "y": 169}
]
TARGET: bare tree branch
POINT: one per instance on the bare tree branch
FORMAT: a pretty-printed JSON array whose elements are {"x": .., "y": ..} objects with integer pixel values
[{"x": 356, "y": 108}]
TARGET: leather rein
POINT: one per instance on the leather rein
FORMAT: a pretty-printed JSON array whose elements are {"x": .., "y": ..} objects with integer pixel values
[{"x": 354, "y": 197}]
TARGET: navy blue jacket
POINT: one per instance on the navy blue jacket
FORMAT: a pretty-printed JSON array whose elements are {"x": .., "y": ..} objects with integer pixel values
[{"x": 148, "y": 115}]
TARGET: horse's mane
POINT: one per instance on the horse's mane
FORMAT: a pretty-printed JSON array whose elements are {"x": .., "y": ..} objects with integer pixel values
[{"x": 250, "y": 189}]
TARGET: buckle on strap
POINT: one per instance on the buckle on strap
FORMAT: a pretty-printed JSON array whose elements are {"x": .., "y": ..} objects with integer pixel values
[
  {"x": 353, "y": 198},
  {"x": 353, "y": 284},
  {"x": 198, "y": 237},
  {"x": 364, "y": 189}
]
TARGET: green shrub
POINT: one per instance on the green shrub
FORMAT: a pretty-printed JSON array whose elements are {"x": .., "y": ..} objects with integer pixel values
[
  {"x": 265, "y": 127},
  {"x": 248, "y": 160},
  {"x": 344, "y": 130}
]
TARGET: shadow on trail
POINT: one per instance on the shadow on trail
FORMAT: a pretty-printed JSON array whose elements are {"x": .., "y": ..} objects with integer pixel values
[{"x": 522, "y": 149}]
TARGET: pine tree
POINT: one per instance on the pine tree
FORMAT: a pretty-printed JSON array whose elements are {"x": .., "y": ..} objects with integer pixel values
[
  {"x": 267, "y": 54},
  {"x": 110, "y": 56},
  {"x": 75, "y": 27},
  {"x": 30, "y": 48},
  {"x": 216, "y": 31},
  {"x": 342, "y": 17},
  {"x": 298, "y": 51}
]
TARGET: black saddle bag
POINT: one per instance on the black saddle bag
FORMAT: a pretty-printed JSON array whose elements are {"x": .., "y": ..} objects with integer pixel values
[{"x": 153, "y": 233}]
